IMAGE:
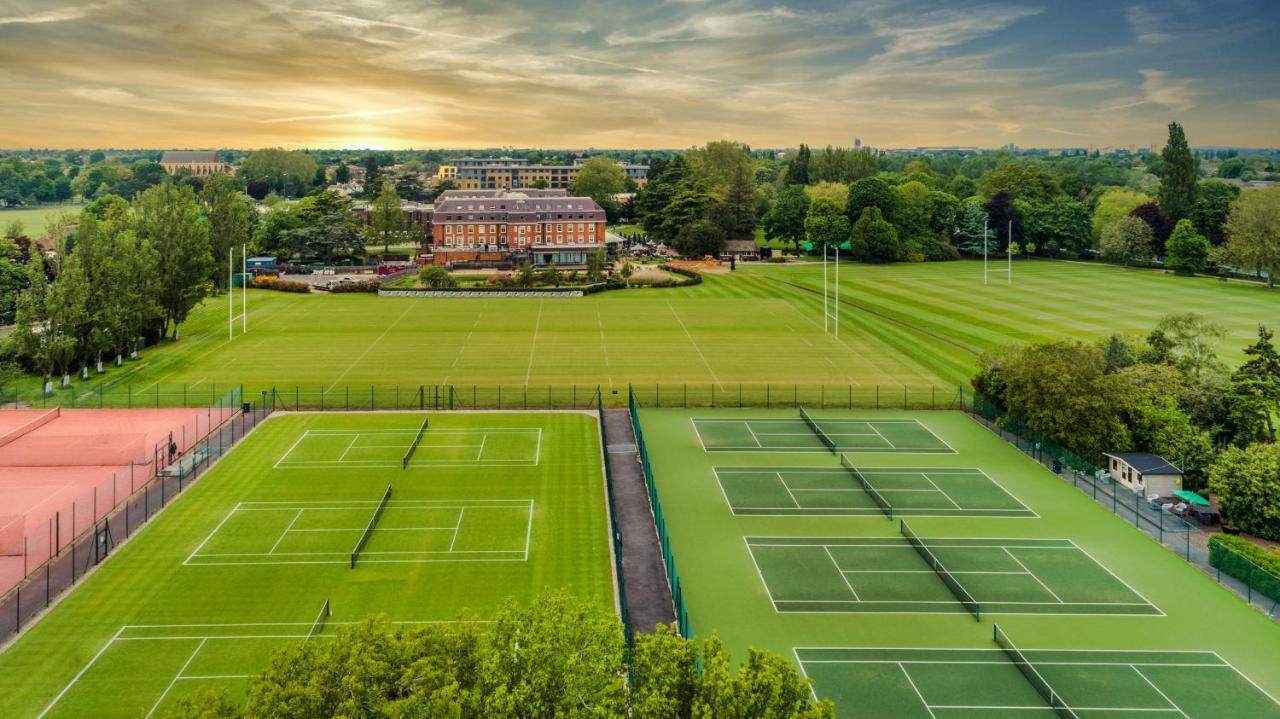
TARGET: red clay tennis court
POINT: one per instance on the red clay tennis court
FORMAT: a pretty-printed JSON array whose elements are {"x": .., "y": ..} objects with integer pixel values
[{"x": 63, "y": 470}]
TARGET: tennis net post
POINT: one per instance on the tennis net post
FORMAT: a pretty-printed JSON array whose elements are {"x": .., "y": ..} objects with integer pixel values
[
  {"x": 875, "y": 493},
  {"x": 413, "y": 446},
  {"x": 318, "y": 625},
  {"x": 826, "y": 439},
  {"x": 1032, "y": 674},
  {"x": 936, "y": 565},
  {"x": 368, "y": 530}
]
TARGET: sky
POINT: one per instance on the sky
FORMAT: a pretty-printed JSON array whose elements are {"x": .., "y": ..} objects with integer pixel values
[{"x": 641, "y": 73}]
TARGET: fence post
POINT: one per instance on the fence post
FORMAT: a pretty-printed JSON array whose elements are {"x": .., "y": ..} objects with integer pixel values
[
  {"x": 768, "y": 395},
  {"x": 904, "y": 396},
  {"x": 877, "y": 396}
]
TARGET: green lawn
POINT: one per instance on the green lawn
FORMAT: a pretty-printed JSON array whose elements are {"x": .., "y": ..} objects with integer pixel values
[
  {"x": 917, "y": 325},
  {"x": 35, "y": 219},
  {"x": 1113, "y": 620},
  {"x": 491, "y": 506}
]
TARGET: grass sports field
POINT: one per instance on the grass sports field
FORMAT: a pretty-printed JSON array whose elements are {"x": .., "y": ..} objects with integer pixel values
[
  {"x": 35, "y": 220},
  {"x": 916, "y": 325},
  {"x": 489, "y": 506},
  {"x": 884, "y": 566}
]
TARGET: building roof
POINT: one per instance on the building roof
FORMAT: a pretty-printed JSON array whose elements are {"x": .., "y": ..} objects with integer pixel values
[
  {"x": 1146, "y": 463},
  {"x": 182, "y": 157},
  {"x": 740, "y": 246},
  {"x": 514, "y": 206}
]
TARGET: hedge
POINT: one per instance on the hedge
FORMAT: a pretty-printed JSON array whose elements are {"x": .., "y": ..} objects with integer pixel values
[
  {"x": 1247, "y": 562},
  {"x": 355, "y": 286},
  {"x": 272, "y": 283}
]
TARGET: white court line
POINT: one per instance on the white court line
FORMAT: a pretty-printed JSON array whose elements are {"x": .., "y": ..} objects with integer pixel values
[
  {"x": 280, "y": 539},
  {"x": 912, "y": 682},
  {"x": 169, "y": 688},
  {"x": 840, "y": 571},
  {"x": 81, "y": 673},
  {"x": 1034, "y": 576},
  {"x": 533, "y": 346},
  {"x": 480, "y": 451},
  {"x": 787, "y": 487},
  {"x": 374, "y": 343},
  {"x": 453, "y": 542},
  {"x": 352, "y": 443},
  {"x": 1158, "y": 691},
  {"x": 696, "y": 348},
  {"x": 939, "y": 490}
]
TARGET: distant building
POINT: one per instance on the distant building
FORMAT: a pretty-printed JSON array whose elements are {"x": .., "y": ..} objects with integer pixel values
[
  {"x": 512, "y": 173},
  {"x": 415, "y": 213},
  {"x": 542, "y": 226},
  {"x": 1147, "y": 474},
  {"x": 199, "y": 163}
]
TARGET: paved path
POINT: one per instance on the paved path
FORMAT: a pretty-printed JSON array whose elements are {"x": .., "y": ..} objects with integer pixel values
[{"x": 644, "y": 578}]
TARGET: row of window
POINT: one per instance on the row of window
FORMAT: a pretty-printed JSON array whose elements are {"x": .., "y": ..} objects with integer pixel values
[
  {"x": 493, "y": 229},
  {"x": 521, "y": 241}
]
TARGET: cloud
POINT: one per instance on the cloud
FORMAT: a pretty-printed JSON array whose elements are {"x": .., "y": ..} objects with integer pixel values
[
  {"x": 1146, "y": 25},
  {"x": 341, "y": 115},
  {"x": 709, "y": 27},
  {"x": 1164, "y": 90},
  {"x": 48, "y": 16}
]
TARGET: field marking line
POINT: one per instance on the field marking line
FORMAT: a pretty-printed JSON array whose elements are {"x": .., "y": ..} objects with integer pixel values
[
  {"x": 872, "y": 427},
  {"x": 1117, "y": 577},
  {"x": 768, "y": 592},
  {"x": 350, "y": 444},
  {"x": 285, "y": 533},
  {"x": 209, "y": 536},
  {"x": 463, "y": 347},
  {"x": 461, "y": 513},
  {"x": 174, "y": 681},
  {"x": 537, "y": 453},
  {"x": 1034, "y": 576},
  {"x": 754, "y": 437},
  {"x": 696, "y": 348},
  {"x": 1244, "y": 676},
  {"x": 1163, "y": 696},
  {"x": 528, "y": 531},
  {"x": 939, "y": 490},
  {"x": 912, "y": 682},
  {"x": 533, "y": 346},
  {"x": 604, "y": 347},
  {"x": 374, "y": 343},
  {"x": 292, "y": 447},
  {"x": 1004, "y": 489},
  {"x": 787, "y": 487},
  {"x": 715, "y": 471},
  {"x": 840, "y": 571},
  {"x": 480, "y": 451},
  {"x": 214, "y": 677},
  {"x": 81, "y": 673}
]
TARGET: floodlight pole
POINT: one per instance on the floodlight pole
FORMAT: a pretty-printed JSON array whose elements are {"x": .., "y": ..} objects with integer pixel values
[
  {"x": 231, "y": 294},
  {"x": 825, "y": 311},
  {"x": 984, "y": 251},
  {"x": 837, "y": 301},
  {"x": 1010, "y": 253},
  {"x": 244, "y": 289}
]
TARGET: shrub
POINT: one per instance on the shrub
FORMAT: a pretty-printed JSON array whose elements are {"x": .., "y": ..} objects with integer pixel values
[
  {"x": 436, "y": 277},
  {"x": 1225, "y": 552},
  {"x": 356, "y": 286},
  {"x": 275, "y": 283}
]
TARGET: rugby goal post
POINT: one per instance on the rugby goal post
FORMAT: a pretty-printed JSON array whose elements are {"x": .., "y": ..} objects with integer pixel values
[
  {"x": 231, "y": 292},
  {"x": 830, "y": 316}
]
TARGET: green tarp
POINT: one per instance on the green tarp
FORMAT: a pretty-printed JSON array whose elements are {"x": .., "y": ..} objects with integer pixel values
[{"x": 1191, "y": 497}]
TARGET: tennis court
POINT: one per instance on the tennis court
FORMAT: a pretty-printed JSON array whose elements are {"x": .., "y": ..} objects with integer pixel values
[
  {"x": 240, "y": 565},
  {"x": 264, "y": 533},
  {"x": 979, "y": 575},
  {"x": 984, "y": 683},
  {"x": 778, "y": 434},
  {"x": 866, "y": 491},
  {"x": 436, "y": 447}
]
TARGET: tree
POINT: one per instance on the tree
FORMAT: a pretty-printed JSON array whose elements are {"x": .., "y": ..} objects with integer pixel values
[
  {"x": 735, "y": 213},
  {"x": 1114, "y": 205},
  {"x": 596, "y": 261},
  {"x": 286, "y": 173},
  {"x": 874, "y": 239},
  {"x": 1006, "y": 220},
  {"x": 961, "y": 187},
  {"x": 1179, "y": 176},
  {"x": 785, "y": 218},
  {"x": 1127, "y": 241},
  {"x": 834, "y": 191},
  {"x": 971, "y": 224},
  {"x": 47, "y": 316},
  {"x": 699, "y": 238},
  {"x": 870, "y": 192},
  {"x": 524, "y": 276},
  {"x": 342, "y": 175},
  {"x": 1193, "y": 340},
  {"x": 1213, "y": 206},
  {"x": 1247, "y": 483},
  {"x": 1253, "y": 392},
  {"x": 1022, "y": 181},
  {"x": 666, "y": 180},
  {"x": 436, "y": 277},
  {"x": 1186, "y": 249},
  {"x": 1060, "y": 225},
  {"x": 599, "y": 178},
  {"x": 1253, "y": 233},
  {"x": 167, "y": 217},
  {"x": 230, "y": 216},
  {"x": 1161, "y": 228},
  {"x": 798, "y": 168},
  {"x": 826, "y": 223},
  {"x": 386, "y": 219}
]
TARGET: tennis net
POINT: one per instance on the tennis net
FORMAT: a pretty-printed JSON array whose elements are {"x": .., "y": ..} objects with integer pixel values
[
  {"x": 1033, "y": 675},
  {"x": 368, "y": 530},
  {"x": 875, "y": 493},
  {"x": 826, "y": 439},
  {"x": 318, "y": 625},
  {"x": 413, "y": 446},
  {"x": 935, "y": 564}
]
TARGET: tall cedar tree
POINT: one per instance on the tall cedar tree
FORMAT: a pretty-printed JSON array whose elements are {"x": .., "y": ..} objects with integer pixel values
[
  {"x": 230, "y": 214},
  {"x": 1254, "y": 391},
  {"x": 1002, "y": 212},
  {"x": 1178, "y": 181},
  {"x": 785, "y": 218},
  {"x": 798, "y": 170},
  {"x": 736, "y": 212}
]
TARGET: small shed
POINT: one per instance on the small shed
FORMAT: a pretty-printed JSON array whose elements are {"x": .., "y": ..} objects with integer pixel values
[
  {"x": 741, "y": 249},
  {"x": 1148, "y": 474}
]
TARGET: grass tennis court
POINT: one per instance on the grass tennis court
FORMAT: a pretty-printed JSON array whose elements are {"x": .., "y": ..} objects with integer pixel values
[
  {"x": 243, "y": 562},
  {"x": 948, "y": 683},
  {"x": 790, "y": 551},
  {"x": 795, "y": 435},
  {"x": 886, "y": 574},
  {"x": 909, "y": 492}
]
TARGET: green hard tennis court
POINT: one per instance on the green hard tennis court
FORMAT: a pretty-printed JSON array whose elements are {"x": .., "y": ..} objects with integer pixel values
[
  {"x": 909, "y": 492},
  {"x": 918, "y": 683},
  {"x": 769, "y": 434},
  {"x": 887, "y": 574},
  {"x": 242, "y": 563}
]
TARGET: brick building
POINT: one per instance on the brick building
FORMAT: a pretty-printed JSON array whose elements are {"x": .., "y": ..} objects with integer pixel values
[
  {"x": 538, "y": 226},
  {"x": 200, "y": 163},
  {"x": 512, "y": 173}
]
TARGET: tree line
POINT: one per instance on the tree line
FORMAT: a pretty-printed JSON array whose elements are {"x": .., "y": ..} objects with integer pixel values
[
  {"x": 1166, "y": 393},
  {"x": 558, "y": 657}
]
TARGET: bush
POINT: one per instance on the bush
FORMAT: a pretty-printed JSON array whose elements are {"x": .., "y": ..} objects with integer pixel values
[
  {"x": 275, "y": 283},
  {"x": 356, "y": 286},
  {"x": 1225, "y": 552}
]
